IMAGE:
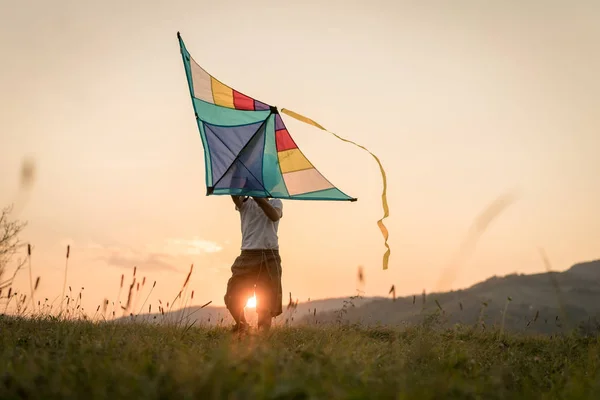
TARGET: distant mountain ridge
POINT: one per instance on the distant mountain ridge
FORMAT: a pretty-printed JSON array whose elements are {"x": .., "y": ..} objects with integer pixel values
[
  {"x": 559, "y": 299},
  {"x": 540, "y": 303},
  {"x": 212, "y": 315}
]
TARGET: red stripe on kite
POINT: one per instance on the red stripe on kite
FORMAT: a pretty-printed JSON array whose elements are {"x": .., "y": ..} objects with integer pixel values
[
  {"x": 242, "y": 102},
  {"x": 284, "y": 141}
]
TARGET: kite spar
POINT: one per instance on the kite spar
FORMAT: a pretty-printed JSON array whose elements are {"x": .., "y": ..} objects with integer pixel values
[{"x": 248, "y": 150}]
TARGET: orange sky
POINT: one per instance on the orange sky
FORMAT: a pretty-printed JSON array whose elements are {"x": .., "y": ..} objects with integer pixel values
[{"x": 461, "y": 103}]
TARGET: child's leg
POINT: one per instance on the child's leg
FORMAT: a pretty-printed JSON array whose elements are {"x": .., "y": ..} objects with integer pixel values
[
  {"x": 235, "y": 300},
  {"x": 264, "y": 319},
  {"x": 238, "y": 292},
  {"x": 264, "y": 303}
]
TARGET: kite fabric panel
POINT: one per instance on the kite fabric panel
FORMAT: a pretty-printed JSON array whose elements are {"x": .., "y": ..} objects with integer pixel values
[{"x": 248, "y": 150}]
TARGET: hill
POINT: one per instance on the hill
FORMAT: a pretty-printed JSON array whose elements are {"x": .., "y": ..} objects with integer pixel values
[
  {"x": 216, "y": 316},
  {"x": 542, "y": 303},
  {"x": 539, "y": 303}
]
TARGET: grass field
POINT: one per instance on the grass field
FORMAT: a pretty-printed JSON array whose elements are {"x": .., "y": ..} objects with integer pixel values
[{"x": 51, "y": 359}]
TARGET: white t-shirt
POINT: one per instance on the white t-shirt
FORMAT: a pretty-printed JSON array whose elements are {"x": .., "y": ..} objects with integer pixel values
[{"x": 258, "y": 231}]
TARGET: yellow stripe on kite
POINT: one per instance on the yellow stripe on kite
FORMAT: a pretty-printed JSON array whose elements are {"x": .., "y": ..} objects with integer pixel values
[
  {"x": 386, "y": 211},
  {"x": 222, "y": 94},
  {"x": 293, "y": 160}
]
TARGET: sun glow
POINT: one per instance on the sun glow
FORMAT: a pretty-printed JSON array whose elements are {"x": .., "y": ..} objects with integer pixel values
[{"x": 251, "y": 302}]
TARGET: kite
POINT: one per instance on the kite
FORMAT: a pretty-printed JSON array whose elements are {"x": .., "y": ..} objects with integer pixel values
[{"x": 248, "y": 150}]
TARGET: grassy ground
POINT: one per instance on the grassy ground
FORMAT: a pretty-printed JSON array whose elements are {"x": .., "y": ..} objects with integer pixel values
[{"x": 57, "y": 359}]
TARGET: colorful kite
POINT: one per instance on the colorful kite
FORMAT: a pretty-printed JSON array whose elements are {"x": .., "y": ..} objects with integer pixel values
[{"x": 248, "y": 150}]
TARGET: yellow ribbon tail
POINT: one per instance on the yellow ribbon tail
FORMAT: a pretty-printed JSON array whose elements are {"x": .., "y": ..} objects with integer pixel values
[{"x": 386, "y": 211}]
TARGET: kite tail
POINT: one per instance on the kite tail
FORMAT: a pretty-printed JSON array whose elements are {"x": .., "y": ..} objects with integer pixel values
[{"x": 386, "y": 211}]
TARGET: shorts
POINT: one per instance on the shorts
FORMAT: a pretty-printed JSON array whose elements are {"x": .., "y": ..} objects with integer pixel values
[{"x": 263, "y": 269}]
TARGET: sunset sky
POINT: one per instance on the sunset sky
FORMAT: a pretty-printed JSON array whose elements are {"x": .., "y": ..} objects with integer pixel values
[{"x": 462, "y": 101}]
